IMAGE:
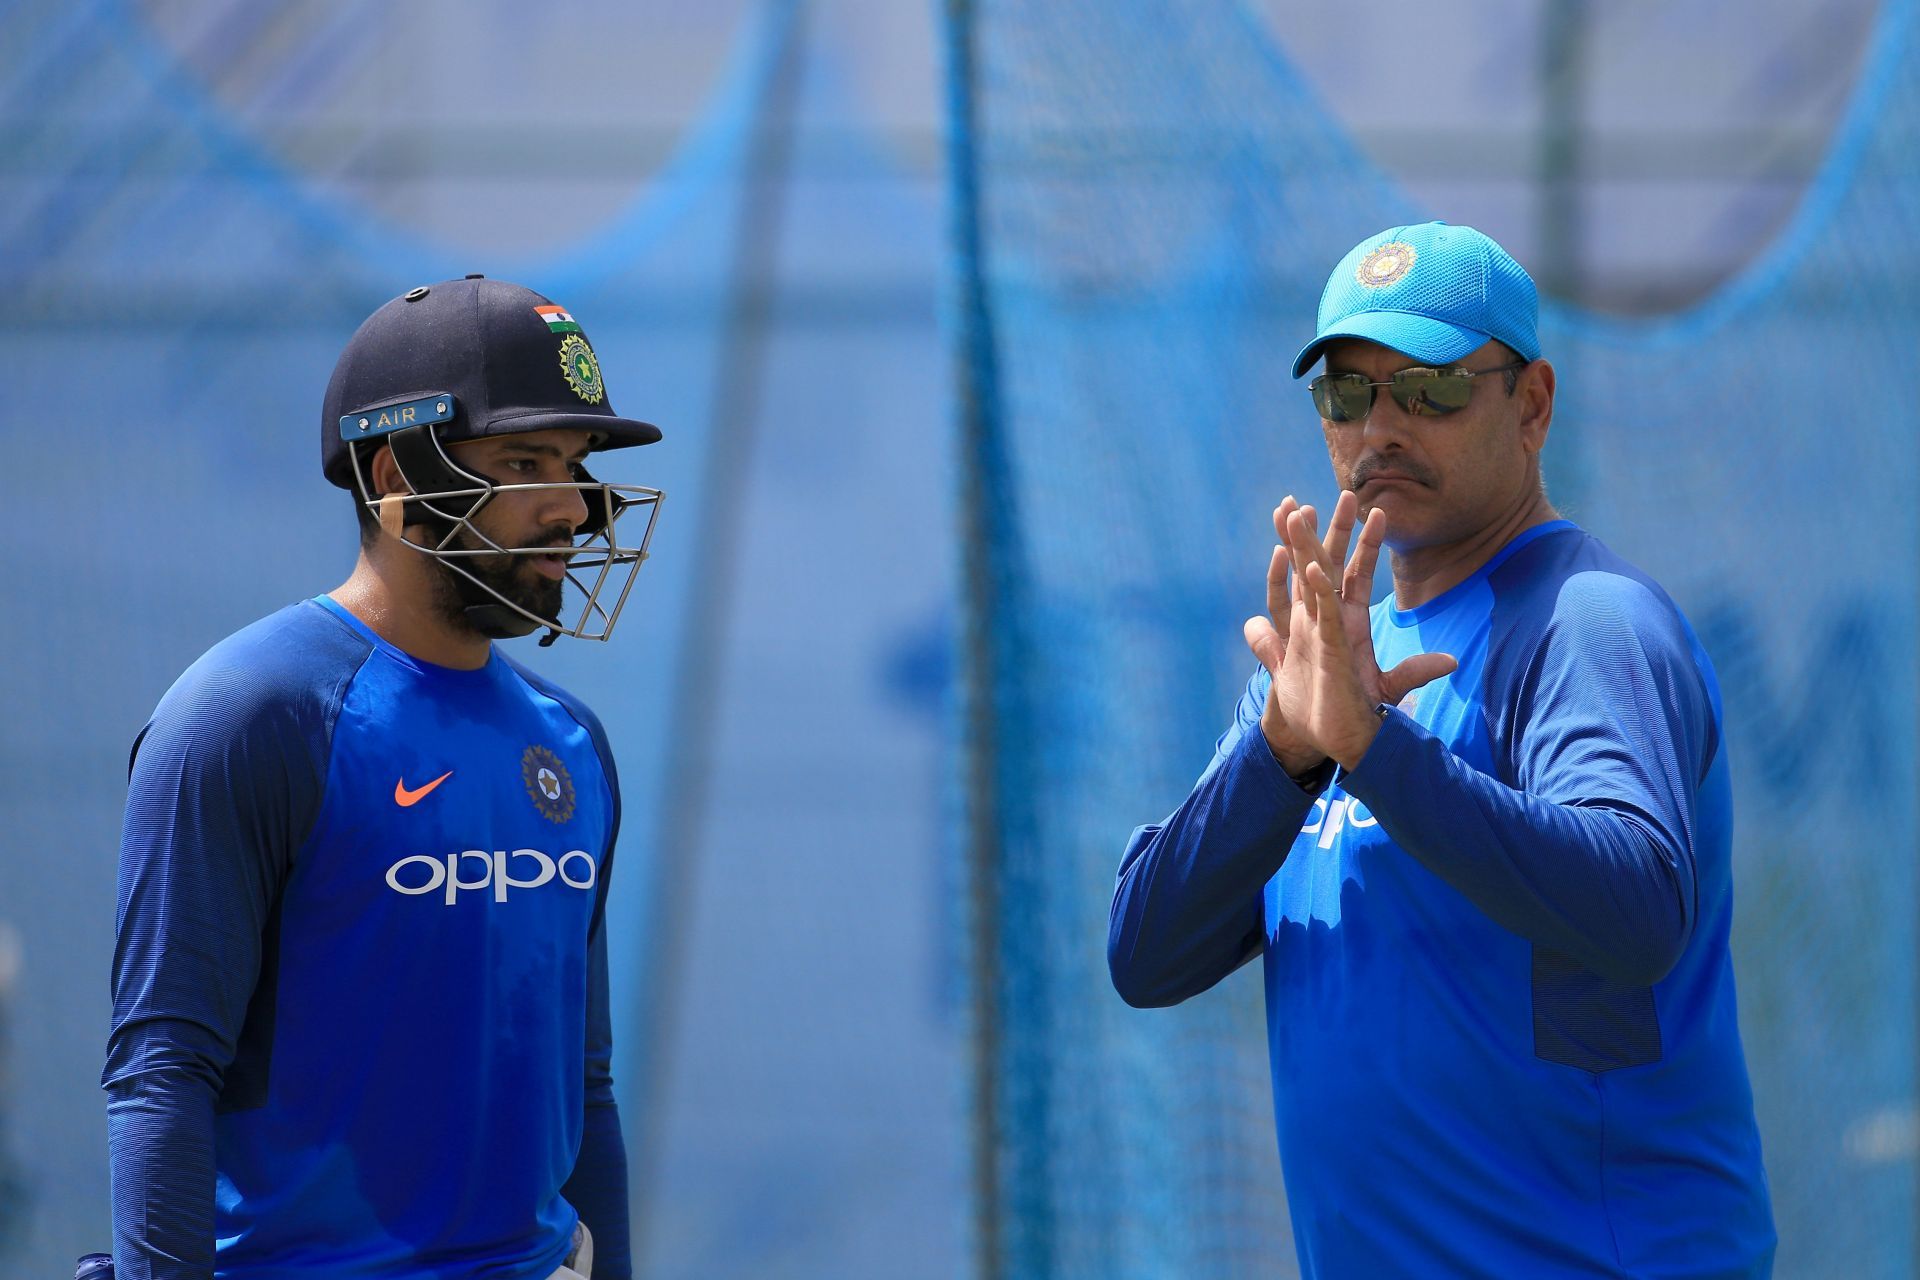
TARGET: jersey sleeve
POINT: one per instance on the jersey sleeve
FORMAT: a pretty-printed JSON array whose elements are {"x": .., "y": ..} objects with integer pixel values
[
  {"x": 225, "y": 782},
  {"x": 1186, "y": 905},
  {"x": 597, "y": 1188},
  {"x": 1603, "y": 726}
]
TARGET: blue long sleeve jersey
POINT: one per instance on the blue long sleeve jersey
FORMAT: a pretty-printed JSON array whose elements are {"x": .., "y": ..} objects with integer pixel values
[
  {"x": 359, "y": 979},
  {"x": 1500, "y": 1004}
]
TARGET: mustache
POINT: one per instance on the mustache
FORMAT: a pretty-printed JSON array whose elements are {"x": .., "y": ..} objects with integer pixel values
[
  {"x": 1369, "y": 467},
  {"x": 557, "y": 536}
]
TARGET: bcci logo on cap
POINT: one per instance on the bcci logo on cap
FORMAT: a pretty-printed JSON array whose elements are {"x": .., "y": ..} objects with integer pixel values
[
  {"x": 548, "y": 783},
  {"x": 1385, "y": 265}
]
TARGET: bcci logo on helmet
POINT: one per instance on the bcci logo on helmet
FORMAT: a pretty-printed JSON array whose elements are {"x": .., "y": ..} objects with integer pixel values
[
  {"x": 581, "y": 370},
  {"x": 548, "y": 783}
]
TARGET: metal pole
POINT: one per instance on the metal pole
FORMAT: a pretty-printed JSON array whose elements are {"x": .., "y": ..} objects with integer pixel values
[
  {"x": 1563, "y": 65},
  {"x": 976, "y": 375},
  {"x": 739, "y": 381}
]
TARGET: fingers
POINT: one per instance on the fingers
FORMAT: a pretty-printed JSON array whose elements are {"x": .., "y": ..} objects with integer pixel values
[
  {"x": 1298, "y": 529},
  {"x": 1281, "y": 515},
  {"x": 1267, "y": 643},
  {"x": 1340, "y": 528},
  {"x": 1299, "y": 536},
  {"x": 1358, "y": 582},
  {"x": 1303, "y": 533},
  {"x": 1278, "y": 602},
  {"x": 1323, "y": 604},
  {"x": 1420, "y": 669},
  {"x": 1304, "y": 543}
]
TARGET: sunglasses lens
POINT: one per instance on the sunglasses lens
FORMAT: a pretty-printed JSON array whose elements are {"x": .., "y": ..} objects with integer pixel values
[
  {"x": 1430, "y": 392},
  {"x": 1341, "y": 397}
]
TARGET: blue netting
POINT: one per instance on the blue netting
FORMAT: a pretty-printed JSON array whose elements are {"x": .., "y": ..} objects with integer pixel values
[
  {"x": 1158, "y": 199},
  {"x": 179, "y": 295},
  {"x": 198, "y": 204}
]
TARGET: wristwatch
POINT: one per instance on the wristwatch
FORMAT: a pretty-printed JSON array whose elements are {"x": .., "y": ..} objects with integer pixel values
[{"x": 1315, "y": 780}]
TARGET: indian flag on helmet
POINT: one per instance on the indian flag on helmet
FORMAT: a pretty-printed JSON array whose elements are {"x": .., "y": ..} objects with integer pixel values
[{"x": 557, "y": 319}]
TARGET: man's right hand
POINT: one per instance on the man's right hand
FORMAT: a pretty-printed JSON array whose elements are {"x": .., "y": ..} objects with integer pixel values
[
  {"x": 1326, "y": 678},
  {"x": 1267, "y": 637}
]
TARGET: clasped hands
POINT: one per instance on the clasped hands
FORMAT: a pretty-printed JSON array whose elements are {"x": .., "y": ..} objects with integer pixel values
[{"x": 1317, "y": 641}]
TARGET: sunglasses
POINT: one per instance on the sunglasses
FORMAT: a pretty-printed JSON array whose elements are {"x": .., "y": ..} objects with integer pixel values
[{"x": 1423, "y": 393}]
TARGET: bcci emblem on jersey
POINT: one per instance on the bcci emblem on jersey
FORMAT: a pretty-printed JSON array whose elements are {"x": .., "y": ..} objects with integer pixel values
[{"x": 548, "y": 783}]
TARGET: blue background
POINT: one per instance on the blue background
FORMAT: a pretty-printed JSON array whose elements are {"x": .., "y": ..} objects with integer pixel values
[{"x": 750, "y": 207}]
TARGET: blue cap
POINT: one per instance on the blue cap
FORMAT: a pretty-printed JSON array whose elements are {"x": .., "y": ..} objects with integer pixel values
[{"x": 1434, "y": 292}]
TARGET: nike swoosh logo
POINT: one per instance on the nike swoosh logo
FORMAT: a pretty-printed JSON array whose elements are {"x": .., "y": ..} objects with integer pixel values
[{"x": 407, "y": 799}]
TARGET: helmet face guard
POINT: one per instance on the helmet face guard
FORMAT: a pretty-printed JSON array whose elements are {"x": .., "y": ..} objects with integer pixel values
[{"x": 446, "y": 498}]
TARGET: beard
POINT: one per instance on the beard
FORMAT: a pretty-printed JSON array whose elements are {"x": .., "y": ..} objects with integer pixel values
[{"x": 513, "y": 577}]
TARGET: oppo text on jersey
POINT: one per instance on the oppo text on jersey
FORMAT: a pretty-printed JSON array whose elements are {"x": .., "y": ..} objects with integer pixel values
[{"x": 497, "y": 872}]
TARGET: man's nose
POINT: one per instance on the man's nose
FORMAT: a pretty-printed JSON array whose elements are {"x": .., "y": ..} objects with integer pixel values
[
  {"x": 566, "y": 506},
  {"x": 1385, "y": 420}
]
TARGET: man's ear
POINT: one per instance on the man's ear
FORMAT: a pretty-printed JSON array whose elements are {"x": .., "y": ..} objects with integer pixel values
[
  {"x": 1536, "y": 405},
  {"x": 383, "y": 475}
]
